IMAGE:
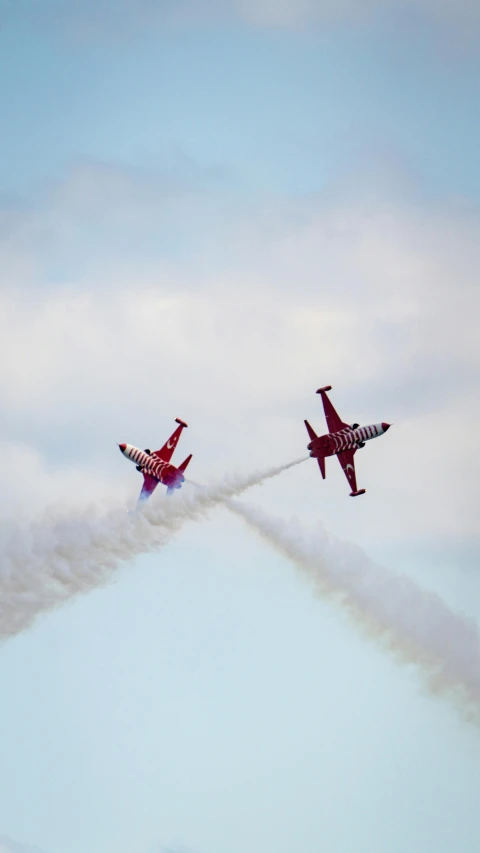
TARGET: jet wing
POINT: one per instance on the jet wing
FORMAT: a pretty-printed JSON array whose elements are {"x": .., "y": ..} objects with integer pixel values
[
  {"x": 334, "y": 422},
  {"x": 345, "y": 457},
  {"x": 149, "y": 485},
  {"x": 166, "y": 452}
]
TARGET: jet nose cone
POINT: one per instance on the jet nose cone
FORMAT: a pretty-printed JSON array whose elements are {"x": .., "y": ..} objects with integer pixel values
[
  {"x": 385, "y": 427},
  {"x": 123, "y": 447}
]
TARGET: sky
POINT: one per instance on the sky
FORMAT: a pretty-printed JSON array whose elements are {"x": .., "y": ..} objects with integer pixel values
[{"x": 207, "y": 211}]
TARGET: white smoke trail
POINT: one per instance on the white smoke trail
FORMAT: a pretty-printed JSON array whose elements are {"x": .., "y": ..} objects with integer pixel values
[
  {"x": 412, "y": 623},
  {"x": 59, "y": 556}
]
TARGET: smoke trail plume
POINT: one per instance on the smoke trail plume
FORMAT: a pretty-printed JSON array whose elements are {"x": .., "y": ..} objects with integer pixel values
[
  {"x": 59, "y": 556},
  {"x": 413, "y": 623}
]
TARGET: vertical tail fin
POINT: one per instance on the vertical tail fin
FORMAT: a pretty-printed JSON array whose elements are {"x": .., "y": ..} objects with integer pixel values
[
  {"x": 321, "y": 465},
  {"x": 184, "y": 464}
]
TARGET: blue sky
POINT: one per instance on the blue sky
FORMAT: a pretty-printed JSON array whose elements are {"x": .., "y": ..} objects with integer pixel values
[
  {"x": 209, "y": 213},
  {"x": 273, "y": 107}
]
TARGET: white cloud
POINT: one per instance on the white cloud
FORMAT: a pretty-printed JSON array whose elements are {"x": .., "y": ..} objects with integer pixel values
[
  {"x": 34, "y": 483},
  {"x": 379, "y": 300}
]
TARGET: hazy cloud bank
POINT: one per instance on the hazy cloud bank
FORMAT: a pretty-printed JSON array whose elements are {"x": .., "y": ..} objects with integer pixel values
[{"x": 234, "y": 328}]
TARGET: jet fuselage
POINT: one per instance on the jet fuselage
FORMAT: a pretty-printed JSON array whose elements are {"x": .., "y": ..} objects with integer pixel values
[
  {"x": 149, "y": 464},
  {"x": 344, "y": 439}
]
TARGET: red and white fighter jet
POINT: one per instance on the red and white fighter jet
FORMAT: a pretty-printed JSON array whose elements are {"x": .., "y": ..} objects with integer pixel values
[
  {"x": 156, "y": 467},
  {"x": 342, "y": 440}
]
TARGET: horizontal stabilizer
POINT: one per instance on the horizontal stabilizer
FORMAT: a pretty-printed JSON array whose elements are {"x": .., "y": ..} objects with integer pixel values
[
  {"x": 311, "y": 431},
  {"x": 182, "y": 423},
  {"x": 325, "y": 388},
  {"x": 321, "y": 465},
  {"x": 357, "y": 493},
  {"x": 184, "y": 464}
]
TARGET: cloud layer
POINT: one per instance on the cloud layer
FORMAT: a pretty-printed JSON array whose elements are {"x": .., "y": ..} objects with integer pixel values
[{"x": 234, "y": 330}]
